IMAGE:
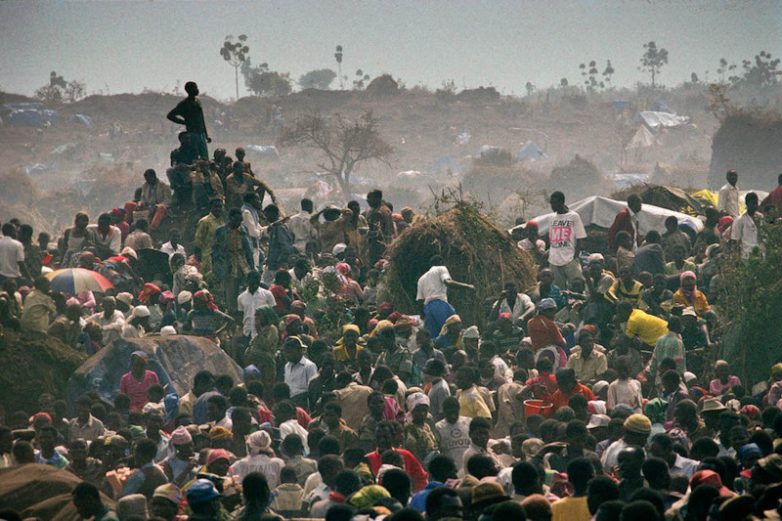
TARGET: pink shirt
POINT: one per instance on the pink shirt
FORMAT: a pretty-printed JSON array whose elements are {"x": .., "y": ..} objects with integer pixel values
[
  {"x": 716, "y": 388},
  {"x": 137, "y": 390}
]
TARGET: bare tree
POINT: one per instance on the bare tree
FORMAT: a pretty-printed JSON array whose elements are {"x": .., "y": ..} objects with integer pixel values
[{"x": 345, "y": 143}]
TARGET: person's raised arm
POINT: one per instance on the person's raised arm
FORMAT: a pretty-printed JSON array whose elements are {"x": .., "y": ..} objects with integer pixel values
[{"x": 456, "y": 284}]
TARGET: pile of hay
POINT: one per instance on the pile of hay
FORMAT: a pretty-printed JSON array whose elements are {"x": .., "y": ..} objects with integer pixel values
[
  {"x": 750, "y": 143},
  {"x": 33, "y": 365},
  {"x": 475, "y": 252}
]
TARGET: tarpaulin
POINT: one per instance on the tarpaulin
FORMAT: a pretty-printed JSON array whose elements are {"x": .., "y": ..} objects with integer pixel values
[
  {"x": 600, "y": 212},
  {"x": 176, "y": 360},
  {"x": 657, "y": 120}
]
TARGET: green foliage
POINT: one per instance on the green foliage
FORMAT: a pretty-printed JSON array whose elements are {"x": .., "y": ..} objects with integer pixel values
[
  {"x": 653, "y": 60},
  {"x": 58, "y": 90},
  {"x": 749, "y": 297},
  {"x": 263, "y": 82},
  {"x": 318, "y": 79}
]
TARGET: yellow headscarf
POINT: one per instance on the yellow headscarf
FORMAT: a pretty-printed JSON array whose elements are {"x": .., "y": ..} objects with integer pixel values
[
  {"x": 453, "y": 319},
  {"x": 383, "y": 324}
]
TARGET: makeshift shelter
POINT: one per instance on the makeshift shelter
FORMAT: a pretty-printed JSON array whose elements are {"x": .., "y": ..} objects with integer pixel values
[
  {"x": 530, "y": 152},
  {"x": 643, "y": 138},
  {"x": 658, "y": 120},
  {"x": 263, "y": 151},
  {"x": 599, "y": 212},
  {"x": 475, "y": 251},
  {"x": 83, "y": 119},
  {"x": 176, "y": 359},
  {"x": 42, "y": 492}
]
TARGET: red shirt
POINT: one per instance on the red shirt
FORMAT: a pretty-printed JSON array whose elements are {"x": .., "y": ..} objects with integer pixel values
[
  {"x": 543, "y": 332},
  {"x": 281, "y": 297},
  {"x": 774, "y": 197},
  {"x": 547, "y": 380},
  {"x": 412, "y": 467},
  {"x": 560, "y": 399},
  {"x": 137, "y": 389}
]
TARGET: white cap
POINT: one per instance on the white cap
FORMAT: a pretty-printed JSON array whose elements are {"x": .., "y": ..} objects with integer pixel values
[
  {"x": 140, "y": 312},
  {"x": 167, "y": 330}
]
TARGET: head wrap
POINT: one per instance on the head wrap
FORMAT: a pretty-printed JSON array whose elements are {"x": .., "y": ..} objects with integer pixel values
[
  {"x": 453, "y": 319},
  {"x": 776, "y": 369},
  {"x": 219, "y": 433},
  {"x": 750, "y": 411},
  {"x": 338, "y": 248},
  {"x": 125, "y": 297},
  {"x": 685, "y": 274},
  {"x": 750, "y": 449},
  {"x": 471, "y": 332},
  {"x": 298, "y": 305},
  {"x": 167, "y": 331},
  {"x": 218, "y": 454},
  {"x": 140, "y": 312},
  {"x": 201, "y": 491},
  {"x": 343, "y": 268},
  {"x": 38, "y": 415},
  {"x": 166, "y": 297},
  {"x": 547, "y": 303},
  {"x": 504, "y": 316},
  {"x": 416, "y": 399},
  {"x": 595, "y": 257},
  {"x": 129, "y": 252},
  {"x": 356, "y": 330},
  {"x": 268, "y": 312},
  {"x": 170, "y": 492},
  {"x": 724, "y": 223},
  {"x": 184, "y": 297},
  {"x": 367, "y": 496},
  {"x": 149, "y": 291},
  {"x": 638, "y": 424},
  {"x": 259, "y": 441},
  {"x": 291, "y": 318},
  {"x": 205, "y": 297},
  {"x": 181, "y": 436},
  {"x": 531, "y": 447},
  {"x": 381, "y": 325},
  {"x": 251, "y": 372},
  {"x": 385, "y": 307}
]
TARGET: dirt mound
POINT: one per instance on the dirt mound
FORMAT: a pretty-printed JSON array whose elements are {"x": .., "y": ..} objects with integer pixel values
[
  {"x": 751, "y": 144},
  {"x": 384, "y": 85},
  {"x": 33, "y": 365},
  {"x": 41, "y": 491},
  {"x": 475, "y": 251}
]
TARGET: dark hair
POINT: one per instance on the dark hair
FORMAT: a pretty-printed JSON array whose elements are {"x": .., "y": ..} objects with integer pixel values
[
  {"x": 559, "y": 196},
  {"x": 579, "y": 472},
  {"x": 255, "y": 490},
  {"x": 441, "y": 468},
  {"x": 306, "y": 205},
  {"x": 600, "y": 490},
  {"x": 509, "y": 511},
  {"x": 347, "y": 482},
  {"x": 641, "y": 510},
  {"x": 86, "y": 490},
  {"x": 525, "y": 478},
  {"x": 479, "y": 423},
  {"x": 146, "y": 449},
  {"x": 435, "y": 498},
  {"x": 481, "y": 466},
  {"x": 656, "y": 473},
  {"x": 398, "y": 484},
  {"x": 328, "y": 445},
  {"x": 339, "y": 512}
]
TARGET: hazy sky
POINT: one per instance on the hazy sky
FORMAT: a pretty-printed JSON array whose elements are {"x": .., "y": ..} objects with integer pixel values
[{"x": 126, "y": 46}]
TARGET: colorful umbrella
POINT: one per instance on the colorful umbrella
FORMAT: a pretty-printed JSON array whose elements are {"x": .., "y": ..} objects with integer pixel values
[{"x": 76, "y": 280}]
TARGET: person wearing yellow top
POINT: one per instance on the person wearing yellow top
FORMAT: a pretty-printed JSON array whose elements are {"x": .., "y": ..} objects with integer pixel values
[
  {"x": 346, "y": 349},
  {"x": 648, "y": 328},
  {"x": 205, "y": 235},
  {"x": 626, "y": 289},
  {"x": 688, "y": 295},
  {"x": 38, "y": 307},
  {"x": 574, "y": 508},
  {"x": 471, "y": 403}
]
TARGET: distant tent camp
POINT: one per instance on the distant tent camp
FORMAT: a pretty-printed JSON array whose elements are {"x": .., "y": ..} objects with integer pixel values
[
  {"x": 530, "y": 152},
  {"x": 643, "y": 138}
]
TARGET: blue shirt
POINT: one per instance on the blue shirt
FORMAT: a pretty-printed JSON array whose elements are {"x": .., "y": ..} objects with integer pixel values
[{"x": 418, "y": 501}]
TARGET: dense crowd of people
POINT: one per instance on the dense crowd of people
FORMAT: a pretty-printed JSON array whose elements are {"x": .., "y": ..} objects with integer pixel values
[{"x": 595, "y": 394}]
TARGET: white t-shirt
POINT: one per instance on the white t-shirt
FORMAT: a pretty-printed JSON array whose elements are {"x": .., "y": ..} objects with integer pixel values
[
  {"x": 431, "y": 285},
  {"x": 248, "y": 303},
  {"x": 454, "y": 438},
  {"x": 745, "y": 231},
  {"x": 563, "y": 232},
  {"x": 11, "y": 254}
]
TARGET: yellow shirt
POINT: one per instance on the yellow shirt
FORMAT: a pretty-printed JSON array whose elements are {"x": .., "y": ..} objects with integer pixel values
[
  {"x": 37, "y": 307},
  {"x": 471, "y": 404},
  {"x": 570, "y": 509},
  {"x": 646, "y": 327}
]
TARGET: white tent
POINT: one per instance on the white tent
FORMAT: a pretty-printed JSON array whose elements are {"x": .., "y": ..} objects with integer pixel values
[
  {"x": 643, "y": 138},
  {"x": 601, "y": 211}
]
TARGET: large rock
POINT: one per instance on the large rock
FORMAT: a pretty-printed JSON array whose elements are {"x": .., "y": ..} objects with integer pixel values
[
  {"x": 41, "y": 491},
  {"x": 176, "y": 360}
]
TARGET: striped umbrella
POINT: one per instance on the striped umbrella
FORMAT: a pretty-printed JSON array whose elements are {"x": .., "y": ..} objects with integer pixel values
[{"x": 76, "y": 280}]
